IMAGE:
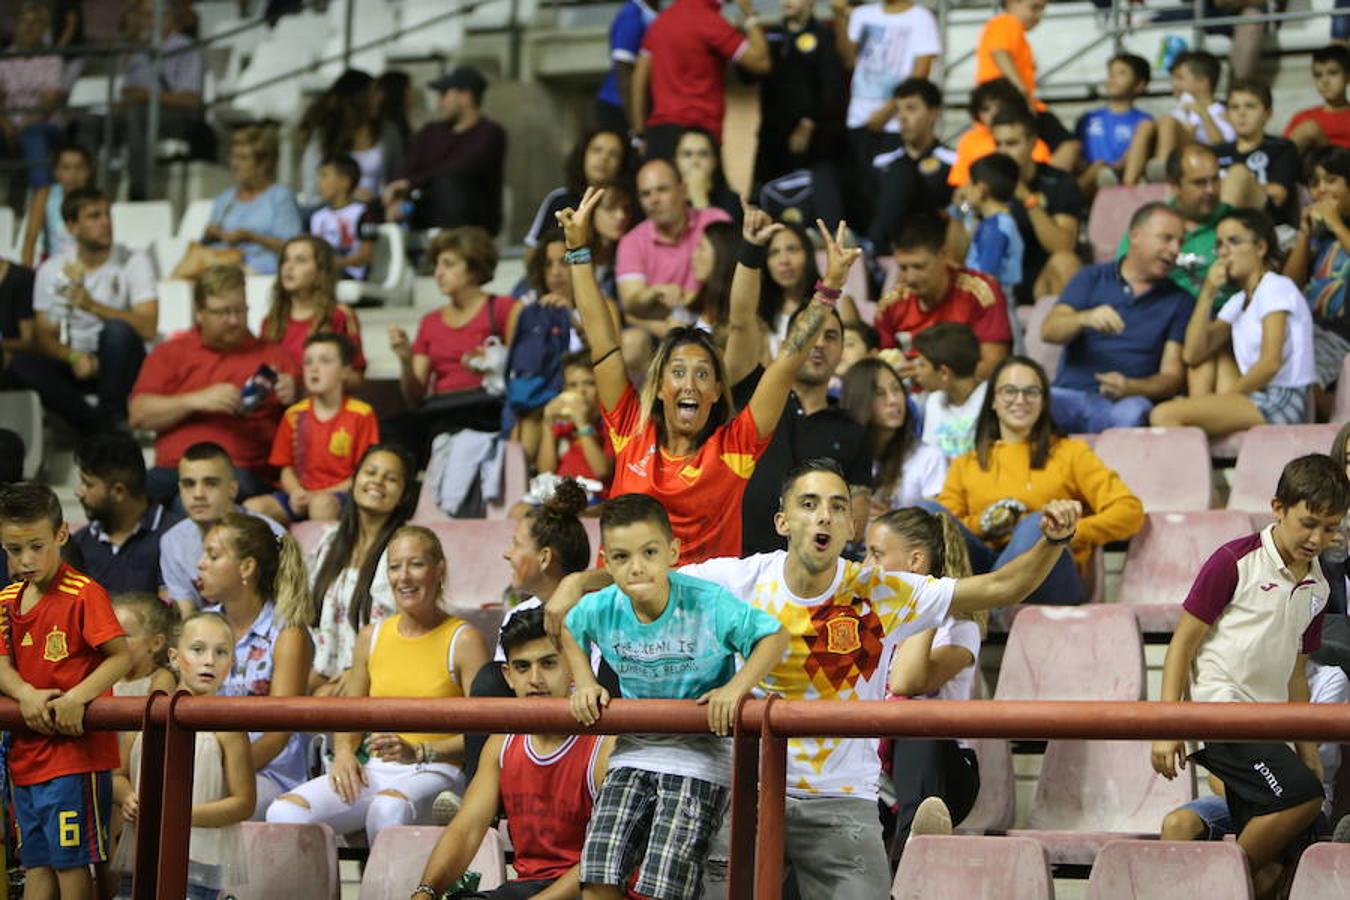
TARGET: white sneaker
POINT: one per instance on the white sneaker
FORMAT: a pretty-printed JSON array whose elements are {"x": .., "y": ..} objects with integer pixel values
[
  {"x": 446, "y": 806},
  {"x": 932, "y": 817}
]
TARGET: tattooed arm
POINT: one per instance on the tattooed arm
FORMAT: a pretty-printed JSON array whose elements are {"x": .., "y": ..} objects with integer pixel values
[{"x": 771, "y": 395}]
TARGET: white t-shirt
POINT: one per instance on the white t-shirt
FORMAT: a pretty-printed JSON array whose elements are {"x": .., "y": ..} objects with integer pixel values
[
  {"x": 957, "y": 633},
  {"x": 921, "y": 476},
  {"x": 1274, "y": 293},
  {"x": 126, "y": 279},
  {"x": 1217, "y": 111},
  {"x": 888, "y": 45},
  {"x": 840, "y": 649},
  {"x": 952, "y": 428}
]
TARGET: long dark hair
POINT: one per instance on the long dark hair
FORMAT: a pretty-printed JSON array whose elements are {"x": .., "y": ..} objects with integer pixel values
[
  {"x": 393, "y": 106},
  {"x": 555, "y": 525},
  {"x": 652, "y": 407},
  {"x": 576, "y": 161},
  {"x": 857, "y": 398},
  {"x": 771, "y": 296},
  {"x": 348, "y": 532},
  {"x": 1044, "y": 432},
  {"x": 1262, "y": 228},
  {"x": 334, "y": 117},
  {"x": 713, "y": 299}
]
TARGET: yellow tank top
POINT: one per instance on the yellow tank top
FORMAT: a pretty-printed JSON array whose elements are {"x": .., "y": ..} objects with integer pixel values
[{"x": 415, "y": 667}]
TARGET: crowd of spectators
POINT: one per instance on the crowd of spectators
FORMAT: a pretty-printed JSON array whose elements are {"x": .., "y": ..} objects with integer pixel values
[{"x": 687, "y": 363}]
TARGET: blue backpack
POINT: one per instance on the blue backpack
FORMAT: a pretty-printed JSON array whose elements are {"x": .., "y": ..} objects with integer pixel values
[{"x": 534, "y": 365}]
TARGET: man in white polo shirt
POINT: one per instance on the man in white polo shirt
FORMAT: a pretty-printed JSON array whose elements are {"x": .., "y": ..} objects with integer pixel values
[{"x": 1247, "y": 627}]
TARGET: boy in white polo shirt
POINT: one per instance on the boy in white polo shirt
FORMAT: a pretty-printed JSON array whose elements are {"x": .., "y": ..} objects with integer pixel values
[{"x": 1247, "y": 626}]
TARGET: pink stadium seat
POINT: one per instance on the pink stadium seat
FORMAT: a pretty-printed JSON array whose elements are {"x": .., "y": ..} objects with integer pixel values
[
  {"x": 994, "y": 805},
  {"x": 289, "y": 861},
  {"x": 1170, "y": 870},
  {"x": 973, "y": 867},
  {"x": 1091, "y": 652},
  {"x": 1110, "y": 215},
  {"x": 400, "y": 853},
  {"x": 1168, "y": 468},
  {"x": 1323, "y": 873},
  {"x": 1227, "y": 447},
  {"x": 1265, "y": 450},
  {"x": 1047, "y": 354},
  {"x": 308, "y": 535},
  {"x": 1340, "y": 412},
  {"x": 1164, "y": 557},
  {"x": 1092, "y": 792},
  {"x": 477, "y": 573}
]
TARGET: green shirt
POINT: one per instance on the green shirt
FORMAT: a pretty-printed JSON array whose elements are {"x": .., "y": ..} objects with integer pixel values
[{"x": 1201, "y": 242}]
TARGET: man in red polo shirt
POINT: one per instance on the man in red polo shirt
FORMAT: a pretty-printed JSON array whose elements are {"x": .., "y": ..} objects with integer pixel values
[
  {"x": 196, "y": 387},
  {"x": 932, "y": 290},
  {"x": 683, "y": 64}
]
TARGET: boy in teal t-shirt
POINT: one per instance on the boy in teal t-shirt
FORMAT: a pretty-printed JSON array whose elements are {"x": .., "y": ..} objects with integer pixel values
[{"x": 667, "y": 636}]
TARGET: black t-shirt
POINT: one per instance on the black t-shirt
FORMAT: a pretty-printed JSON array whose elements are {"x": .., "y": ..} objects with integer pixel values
[
  {"x": 806, "y": 81},
  {"x": 910, "y": 186},
  {"x": 1059, "y": 196},
  {"x": 799, "y": 437},
  {"x": 16, "y": 299},
  {"x": 1274, "y": 161}
]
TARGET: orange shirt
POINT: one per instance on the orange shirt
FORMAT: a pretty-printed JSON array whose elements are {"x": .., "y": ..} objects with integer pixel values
[
  {"x": 701, "y": 492},
  {"x": 55, "y": 645},
  {"x": 1007, "y": 33},
  {"x": 324, "y": 453},
  {"x": 979, "y": 142}
]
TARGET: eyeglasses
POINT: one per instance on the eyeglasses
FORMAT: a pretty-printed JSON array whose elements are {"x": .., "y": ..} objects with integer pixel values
[
  {"x": 1236, "y": 241},
  {"x": 1009, "y": 393},
  {"x": 227, "y": 312}
]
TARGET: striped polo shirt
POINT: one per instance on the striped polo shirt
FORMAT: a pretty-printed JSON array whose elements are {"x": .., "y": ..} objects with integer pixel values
[{"x": 1261, "y": 618}]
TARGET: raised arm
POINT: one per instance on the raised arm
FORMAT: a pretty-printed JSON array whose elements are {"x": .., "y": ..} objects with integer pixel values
[
  {"x": 771, "y": 395},
  {"x": 1206, "y": 336},
  {"x": 848, "y": 50},
  {"x": 611, "y": 379},
  {"x": 743, "y": 329},
  {"x": 1023, "y": 574}
]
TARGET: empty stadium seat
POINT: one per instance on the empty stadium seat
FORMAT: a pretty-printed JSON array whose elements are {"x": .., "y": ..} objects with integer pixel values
[
  {"x": 1167, "y": 468},
  {"x": 1045, "y": 353},
  {"x": 1093, "y": 792},
  {"x": 1110, "y": 215},
  {"x": 308, "y": 534},
  {"x": 195, "y": 219},
  {"x": 1265, "y": 451},
  {"x": 1165, "y": 556},
  {"x": 1091, "y": 652},
  {"x": 973, "y": 867},
  {"x": 1323, "y": 873},
  {"x": 1170, "y": 870},
  {"x": 139, "y": 224},
  {"x": 258, "y": 296},
  {"x": 1340, "y": 412},
  {"x": 175, "y": 306},
  {"x": 400, "y": 853},
  {"x": 10, "y": 239},
  {"x": 21, "y": 412},
  {"x": 289, "y": 861},
  {"x": 995, "y": 803}
]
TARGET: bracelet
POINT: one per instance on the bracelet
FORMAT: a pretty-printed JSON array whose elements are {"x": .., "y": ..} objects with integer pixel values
[
  {"x": 578, "y": 257},
  {"x": 427, "y": 889},
  {"x": 752, "y": 256},
  {"x": 828, "y": 295},
  {"x": 584, "y": 431},
  {"x": 604, "y": 356},
  {"x": 420, "y": 753},
  {"x": 1060, "y": 542}
]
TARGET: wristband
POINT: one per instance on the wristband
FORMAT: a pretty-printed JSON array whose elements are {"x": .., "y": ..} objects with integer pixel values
[
  {"x": 828, "y": 295},
  {"x": 427, "y": 889},
  {"x": 584, "y": 431},
  {"x": 752, "y": 256},
  {"x": 578, "y": 257},
  {"x": 1060, "y": 542}
]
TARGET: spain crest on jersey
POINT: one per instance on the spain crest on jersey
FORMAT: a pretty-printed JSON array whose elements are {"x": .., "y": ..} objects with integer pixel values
[
  {"x": 841, "y": 635},
  {"x": 56, "y": 648}
]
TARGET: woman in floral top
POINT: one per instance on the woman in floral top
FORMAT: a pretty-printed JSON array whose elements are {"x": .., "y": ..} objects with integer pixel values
[
  {"x": 257, "y": 581},
  {"x": 350, "y": 584}
]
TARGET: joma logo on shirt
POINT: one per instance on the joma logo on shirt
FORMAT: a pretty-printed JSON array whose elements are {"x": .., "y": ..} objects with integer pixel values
[{"x": 1264, "y": 771}]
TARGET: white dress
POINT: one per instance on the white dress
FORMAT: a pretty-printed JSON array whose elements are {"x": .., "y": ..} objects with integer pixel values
[{"x": 215, "y": 855}]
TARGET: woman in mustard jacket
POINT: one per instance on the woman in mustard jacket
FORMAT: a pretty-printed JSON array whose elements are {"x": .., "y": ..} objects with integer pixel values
[{"x": 1022, "y": 461}]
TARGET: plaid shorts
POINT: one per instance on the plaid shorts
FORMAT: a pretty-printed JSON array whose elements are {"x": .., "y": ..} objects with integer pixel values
[
  {"x": 1282, "y": 405},
  {"x": 659, "y": 824}
]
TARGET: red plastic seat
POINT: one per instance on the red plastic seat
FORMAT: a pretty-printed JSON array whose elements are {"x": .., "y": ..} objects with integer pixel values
[
  {"x": 1323, "y": 873},
  {"x": 1110, "y": 215},
  {"x": 973, "y": 867},
  {"x": 1091, "y": 652},
  {"x": 1045, "y": 353},
  {"x": 1167, "y": 468},
  {"x": 308, "y": 534},
  {"x": 1092, "y": 792},
  {"x": 1170, "y": 870},
  {"x": 1165, "y": 556},
  {"x": 1265, "y": 451},
  {"x": 289, "y": 861},
  {"x": 477, "y": 574},
  {"x": 400, "y": 853}
]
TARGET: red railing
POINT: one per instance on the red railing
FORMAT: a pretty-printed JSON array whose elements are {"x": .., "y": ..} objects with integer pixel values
[{"x": 168, "y": 725}]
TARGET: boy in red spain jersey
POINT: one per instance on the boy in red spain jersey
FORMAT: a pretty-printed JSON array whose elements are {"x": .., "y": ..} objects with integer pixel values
[
  {"x": 545, "y": 782},
  {"x": 60, "y": 647}
]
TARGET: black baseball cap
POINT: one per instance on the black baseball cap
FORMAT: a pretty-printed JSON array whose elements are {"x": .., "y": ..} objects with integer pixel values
[{"x": 463, "y": 78}]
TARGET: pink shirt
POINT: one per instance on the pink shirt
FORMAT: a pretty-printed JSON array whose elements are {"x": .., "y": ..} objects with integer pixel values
[
  {"x": 643, "y": 253},
  {"x": 446, "y": 347}
]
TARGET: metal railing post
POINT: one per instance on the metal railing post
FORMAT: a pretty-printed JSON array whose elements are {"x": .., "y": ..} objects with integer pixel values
[
  {"x": 769, "y": 842},
  {"x": 175, "y": 823},
  {"x": 150, "y": 791},
  {"x": 744, "y": 809},
  {"x": 348, "y": 27},
  {"x": 152, "y": 111},
  {"x": 1197, "y": 29}
]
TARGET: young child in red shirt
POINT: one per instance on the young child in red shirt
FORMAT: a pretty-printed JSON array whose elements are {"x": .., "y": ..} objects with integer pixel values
[
  {"x": 1328, "y": 123},
  {"x": 320, "y": 439},
  {"x": 60, "y": 647}
]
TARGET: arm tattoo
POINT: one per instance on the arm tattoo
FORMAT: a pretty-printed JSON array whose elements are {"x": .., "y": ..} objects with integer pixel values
[{"x": 806, "y": 327}]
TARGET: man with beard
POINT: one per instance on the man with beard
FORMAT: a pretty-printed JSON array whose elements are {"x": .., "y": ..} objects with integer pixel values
[
  {"x": 845, "y": 620},
  {"x": 120, "y": 545}
]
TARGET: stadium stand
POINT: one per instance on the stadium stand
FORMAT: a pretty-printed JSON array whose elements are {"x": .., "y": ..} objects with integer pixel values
[
  {"x": 400, "y": 851},
  {"x": 1012, "y": 868},
  {"x": 1167, "y": 468},
  {"x": 289, "y": 861},
  {"x": 1169, "y": 870},
  {"x": 1264, "y": 452}
]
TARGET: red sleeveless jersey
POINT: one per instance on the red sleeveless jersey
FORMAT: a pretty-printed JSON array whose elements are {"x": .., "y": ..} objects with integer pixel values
[{"x": 548, "y": 802}]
